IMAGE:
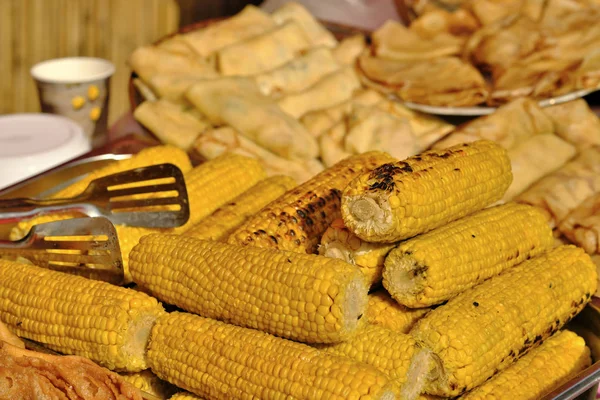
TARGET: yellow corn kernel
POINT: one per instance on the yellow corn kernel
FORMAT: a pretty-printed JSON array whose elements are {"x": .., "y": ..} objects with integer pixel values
[
  {"x": 384, "y": 311},
  {"x": 486, "y": 328},
  {"x": 75, "y": 315},
  {"x": 149, "y": 383},
  {"x": 149, "y": 156},
  {"x": 254, "y": 364},
  {"x": 436, "y": 266},
  {"x": 297, "y": 219},
  {"x": 279, "y": 292},
  {"x": 399, "y": 200},
  {"x": 389, "y": 351},
  {"x": 218, "y": 181},
  {"x": 77, "y": 102},
  {"x": 554, "y": 362},
  {"x": 185, "y": 396},
  {"x": 231, "y": 215},
  {"x": 339, "y": 242}
]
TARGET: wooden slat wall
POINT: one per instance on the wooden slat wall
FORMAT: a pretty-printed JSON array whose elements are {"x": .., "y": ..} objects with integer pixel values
[{"x": 37, "y": 30}]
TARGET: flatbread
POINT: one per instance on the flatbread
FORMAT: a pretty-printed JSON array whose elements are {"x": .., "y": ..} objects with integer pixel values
[
  {"x": 575, "y": 122},
  {"x": 582, "y": 225},
  {"x": 349, "y": 49},
  {"x": 237, "y": 101},
  {"x": 534, "y": 158},
  {"x": 298, "y": 74},
  {"x": 330, "y": 90},
  {"x": 148, "y": 61},
  {"x": 264, "y": 52},
  {"x": 509, "y": 126},
  {"x": 394, "y": 41},
  {"x": 316, "y": 33},
  {"x": 249, "y": 22},
  {"x": 171, "y": 123}
]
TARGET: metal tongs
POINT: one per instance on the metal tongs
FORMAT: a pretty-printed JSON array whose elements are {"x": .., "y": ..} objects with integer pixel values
[{"x": 153, "y": 196}]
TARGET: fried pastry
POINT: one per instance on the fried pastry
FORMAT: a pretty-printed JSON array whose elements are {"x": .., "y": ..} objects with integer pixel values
[
  {"x": 148, "y": 61},
  {"x": 582, "y": 225},
  {"x": 347, "y": 52},
  {"x": 575, "y": 122},
  {"x": 317, "y": 34}
]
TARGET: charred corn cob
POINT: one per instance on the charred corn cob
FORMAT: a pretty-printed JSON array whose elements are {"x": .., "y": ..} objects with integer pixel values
[
  {"x": 297, "y": 219},
  {"x": 148, "y": 382},
  {"x": 303, "y": 297},
  {"x": 389, "y": 351},
  {"x": 218, "y": 181},
  {"x": 75, "y": 315},
  {"x": 442, "y": 263},
  {"x": 149, "y": 156},
  {"x": 221, "y": 361},
  {"x": 554, "y": 362},
  {"x": 486, "y": 328},
  {"x": 128, "y": 236},
  {"x": 184, "y": 396},
  {"x": 384, "y": 311},
  {"x": 339, "y": 242},
  {"x": 231, "y": 215},
  {"x": 399, "y": 200}
]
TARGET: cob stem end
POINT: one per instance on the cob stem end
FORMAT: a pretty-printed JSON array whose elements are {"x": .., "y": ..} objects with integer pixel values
[
  {"x": 138, "y": 337},
  {"x": 404, "y": 277},
  {"x": 337, "y": 250},
  {"x": 369, "y": 214},
  {"x": 356, "y": 302},
  {"x": 424, "y": 369}
]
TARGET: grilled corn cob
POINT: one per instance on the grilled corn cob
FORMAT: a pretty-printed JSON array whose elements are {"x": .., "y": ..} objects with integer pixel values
[
  {"x": 149, "y": 156},
  {"x": 389, "y": 351},
  {"x": 233, "y": 214},
  {"x": 384, "y": 311},
  {"x": 218, "y": 181},
  {"x": 399, "y": 200},
  {"x": 297, "y": 219},
  {"x": 554, "y": 362},
  {"x": 339, "y": 242},
  {"x": 184, "y": 396},
  {"x": 442, "y": 263},
  {"x": 303, "y": 297},
  {"x": 148, "y": 382},
  {"x": 75, "y": 315},
  {"x": 221, "y": 361},
  {"x": 486, "y": 328}
]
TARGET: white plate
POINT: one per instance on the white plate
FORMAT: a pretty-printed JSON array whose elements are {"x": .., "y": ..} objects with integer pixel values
[{"x": 481, "y": 110}]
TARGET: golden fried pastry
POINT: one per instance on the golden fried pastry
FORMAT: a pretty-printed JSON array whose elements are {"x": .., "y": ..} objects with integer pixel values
[
  {"x": 148, "y": 61},
  {"x": 394, "y": 41},
  {"x": 237, "y": 102},
  {"x": 490, "y": 11},
  {"x": 330, "y": 90},
  {"x": 298, "y": 74},
  {"x": 510, "y": 125},
  {"x": 575, "y": 122},
  {"x": 317, "y": 34},
  {"x": 535, "y": 158},
  {"x": 457, "y": 23},
  {"x": 564, "y": 190},
  {"x": 331, "y": 144},
  {"x": 175, "y": 44},
  {"x": 443, "y": 81},
  {"x": 582, "y": 225},
  {"x": 347, "y": 52},
  {"x": 263, "y": 52},
  {"x": 172, "y": 123},
  {"x": 251, "y": 21}
]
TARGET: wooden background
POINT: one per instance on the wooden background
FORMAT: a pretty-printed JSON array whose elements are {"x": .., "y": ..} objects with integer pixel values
[{"x": 35, "y": 30}]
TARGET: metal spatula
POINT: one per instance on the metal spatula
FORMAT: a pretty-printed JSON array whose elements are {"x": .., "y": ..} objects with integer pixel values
[
  {"x": 158, "y": 199},
  {"x": 81, "y": 246}
]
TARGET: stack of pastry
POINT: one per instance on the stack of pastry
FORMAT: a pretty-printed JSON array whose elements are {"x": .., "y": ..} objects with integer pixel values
[{"x": 278, "y": 87}]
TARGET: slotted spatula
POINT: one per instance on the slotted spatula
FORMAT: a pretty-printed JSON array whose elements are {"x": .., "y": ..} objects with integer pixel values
[
  {"x": 81, "y": 246},
  {"x": 157, "y": 199}
]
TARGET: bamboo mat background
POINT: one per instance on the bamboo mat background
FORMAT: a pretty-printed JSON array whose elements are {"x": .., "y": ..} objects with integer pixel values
[{"x": 37, "y": 30}]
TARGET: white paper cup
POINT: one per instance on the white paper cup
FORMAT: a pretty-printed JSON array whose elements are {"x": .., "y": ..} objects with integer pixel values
[{"x": 77, "y": 88}]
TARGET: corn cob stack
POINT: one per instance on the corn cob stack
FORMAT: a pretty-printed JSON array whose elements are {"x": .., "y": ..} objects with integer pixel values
[
  {"x": 339, "y": 242},
  {"x": 399, "y": 200},
  {"x": 149, "y": 156},
  {"x": 438, "y": 265},
  {"x": 231, "y": 215},
  {"x": 74, "y": 315},
  {"x": 554, "y": 362},
  {"x": 149, "y": 383},
  {"x": 383, "y": 310},
  {"x": 184, "y": 350},
  {"x": 390, "y": 352},
  {"x": 297, "y": 219},
  {"x": 485, "y": 329},
  {"x": 303, "y": 297}
]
